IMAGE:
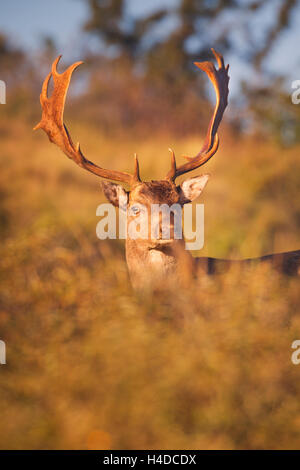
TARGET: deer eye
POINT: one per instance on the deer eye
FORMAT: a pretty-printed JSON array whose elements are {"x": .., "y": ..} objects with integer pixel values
[{"x": 134, "y": 210}]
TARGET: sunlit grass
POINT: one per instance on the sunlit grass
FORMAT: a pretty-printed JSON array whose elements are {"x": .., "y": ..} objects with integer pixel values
[{"x": 91, "y": 364}]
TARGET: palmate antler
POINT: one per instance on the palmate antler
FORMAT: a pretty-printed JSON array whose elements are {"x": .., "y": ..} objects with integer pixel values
[
  {"x": 52, "y": 123},
  {"x": 220, "y": 80}
]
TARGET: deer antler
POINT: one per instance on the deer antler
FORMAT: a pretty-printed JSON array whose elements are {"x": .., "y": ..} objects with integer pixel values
[
  {"x": 219, "y": 79},
  {"x": 52, "y": 123}
]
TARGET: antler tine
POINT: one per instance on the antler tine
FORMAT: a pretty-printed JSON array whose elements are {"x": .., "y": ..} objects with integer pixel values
[
  {"x": 52, "y": 123},
  {"x": 193, "y": 163},
  {"x": 172, "y": 172},
  {"x": 220, "y": 80},
  {"x": 136, "y": 176}
]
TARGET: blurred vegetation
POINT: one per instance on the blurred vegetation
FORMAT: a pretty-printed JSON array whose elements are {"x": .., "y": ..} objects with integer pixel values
[
  {"x": 195, "y": 25},
  {"x": 91, "y": 364},
  {"x": 157, "y": 50},
  {"x": 142, "y": 75}
]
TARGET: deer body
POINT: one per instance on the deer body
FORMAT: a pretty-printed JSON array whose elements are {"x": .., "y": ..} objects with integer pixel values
[
  {"x": 155, "y": 266},
  {"x": 153, "y": 258}
]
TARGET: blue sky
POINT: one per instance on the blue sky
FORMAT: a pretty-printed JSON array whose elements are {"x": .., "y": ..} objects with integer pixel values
[{"x": 26, "y": 22}]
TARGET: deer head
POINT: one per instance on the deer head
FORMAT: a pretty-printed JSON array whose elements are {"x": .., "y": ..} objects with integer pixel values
[{"x": 141, "y": 193}]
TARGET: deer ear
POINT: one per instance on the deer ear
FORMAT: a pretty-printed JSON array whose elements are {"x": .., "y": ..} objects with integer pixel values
[
  {"x": 192, "y": 188},
  {"x": 116, "y": 194}
]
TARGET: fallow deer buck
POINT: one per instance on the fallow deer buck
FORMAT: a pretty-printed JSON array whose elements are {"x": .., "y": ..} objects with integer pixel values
[{"x": 153, "y": 258}]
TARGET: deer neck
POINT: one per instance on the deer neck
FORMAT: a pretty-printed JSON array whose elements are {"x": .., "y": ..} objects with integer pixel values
[{"x": 158, "y": 264}]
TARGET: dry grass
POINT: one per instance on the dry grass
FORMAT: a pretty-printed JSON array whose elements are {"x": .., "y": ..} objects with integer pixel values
[{"x": 92, "y": 365}]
